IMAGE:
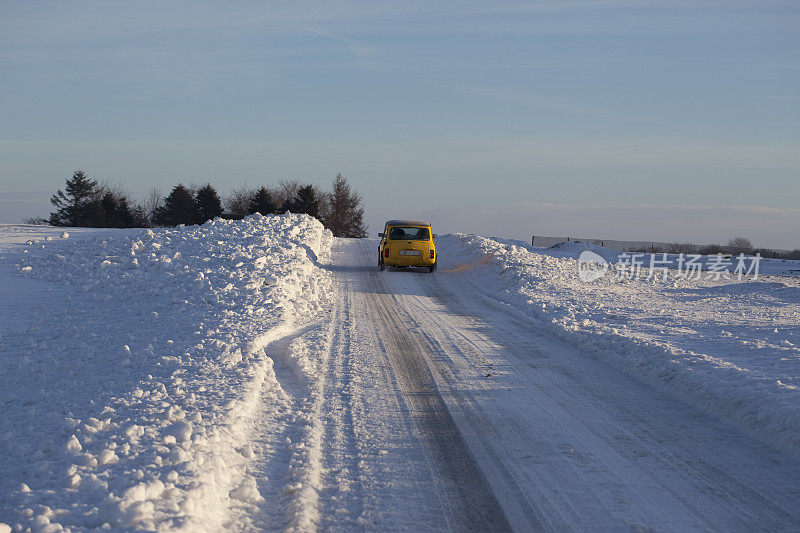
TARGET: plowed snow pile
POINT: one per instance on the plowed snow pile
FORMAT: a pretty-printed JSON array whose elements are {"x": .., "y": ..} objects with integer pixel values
[
  {"x": 730, "y": 346},
  {"x": 126, "y": 391}
]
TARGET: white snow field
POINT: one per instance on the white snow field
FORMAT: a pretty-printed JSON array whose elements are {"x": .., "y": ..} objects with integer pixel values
[{"x": 262, "y": 375}]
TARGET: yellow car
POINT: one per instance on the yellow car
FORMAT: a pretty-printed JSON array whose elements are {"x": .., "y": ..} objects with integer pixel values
[{"x": 407, "y": 243}]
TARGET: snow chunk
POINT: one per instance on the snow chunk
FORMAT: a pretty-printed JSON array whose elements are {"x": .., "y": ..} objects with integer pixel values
[
  {"x": 107, "y": 456},
  {"x": 181, "y": 430},
  {"x": 247, "y": 491},
  {"x": 73, "y": 444},
  {"x": 144, "y": 491},
  {"x": 246, "y": 451}
]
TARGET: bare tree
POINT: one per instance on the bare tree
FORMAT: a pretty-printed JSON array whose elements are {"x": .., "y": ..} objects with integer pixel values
[
  {"x": 238, "y": 200},
  {"x": 325, "y": 204},
  {"x": 740, "y": 245},
  {"x": 153, "y": 202},
  {"x": 286, "y": 192},
  {"x": 682, "y": 248},
  {"x": 711, "y": 249}
]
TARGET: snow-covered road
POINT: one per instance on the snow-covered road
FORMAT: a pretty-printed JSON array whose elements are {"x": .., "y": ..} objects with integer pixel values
[
  {"x": 379, "y": 448},
  {"x": 553, "y": 437},
  {"x": 263, "y": 376},
  {"x": 439, "y": 411}
]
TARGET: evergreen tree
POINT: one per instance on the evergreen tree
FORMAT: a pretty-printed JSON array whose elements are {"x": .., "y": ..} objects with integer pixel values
[
  {"x": 180, "y": 207},
  {"x": 130, "y": 217},
  {"x": 209, "y": 205},
  {"x": 262, "y": 202},
  {"x": 344, "y": 213},
  {"x": 305, "y": 201},
  {"x": 107, "y": 212},
  {"x": 125, "y": 215},
  {"x": 111, "y": 208},
  {"x": 73, "y": 208}
]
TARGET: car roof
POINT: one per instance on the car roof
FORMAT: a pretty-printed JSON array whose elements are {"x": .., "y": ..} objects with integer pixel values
[{"x": 402, "y": 222}]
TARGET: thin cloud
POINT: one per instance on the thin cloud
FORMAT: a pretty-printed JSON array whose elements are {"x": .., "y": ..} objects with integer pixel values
[
  {"x": 546, "y": 207},
  {"x": 763, "y": 210},
  {"x": 357, "y": 49}
]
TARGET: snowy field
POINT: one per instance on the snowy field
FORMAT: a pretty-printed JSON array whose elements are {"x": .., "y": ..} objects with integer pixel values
[
  {"x": 724, "y": 263},
  {"x": 260, "y": 374}
]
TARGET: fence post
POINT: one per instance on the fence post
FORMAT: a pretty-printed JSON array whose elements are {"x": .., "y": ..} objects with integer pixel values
[{"x": 533, "y": 238}]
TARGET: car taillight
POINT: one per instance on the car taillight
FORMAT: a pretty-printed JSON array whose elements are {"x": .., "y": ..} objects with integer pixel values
[
  {"x": 431, "y": 254},
  {"x": 385, "y": 252}
]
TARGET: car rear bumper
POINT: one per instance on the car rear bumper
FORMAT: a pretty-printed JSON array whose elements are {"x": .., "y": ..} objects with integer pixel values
[{"x": 409, "y": 261}]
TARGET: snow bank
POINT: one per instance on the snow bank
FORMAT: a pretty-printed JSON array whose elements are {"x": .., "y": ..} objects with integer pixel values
[
  {"x": 729, "y": 346},
  {"x": 126, "y": 397}
]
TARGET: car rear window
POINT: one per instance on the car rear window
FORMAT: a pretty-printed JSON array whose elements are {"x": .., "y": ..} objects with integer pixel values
[{"x": 409, "y": 234}]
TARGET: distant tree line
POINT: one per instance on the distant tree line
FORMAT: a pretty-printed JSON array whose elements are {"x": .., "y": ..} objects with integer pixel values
[
  {"x": 734, "y": 246},
  {"x": 87, "y": 203}
]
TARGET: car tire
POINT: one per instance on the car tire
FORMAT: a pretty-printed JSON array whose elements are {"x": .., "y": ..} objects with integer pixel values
[
  {"x": 432, "y": 267},
  {"x": 381, "y": 264}
]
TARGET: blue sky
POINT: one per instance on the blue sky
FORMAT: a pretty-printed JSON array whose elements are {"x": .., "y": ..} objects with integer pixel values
[{"x": 661, "y": 120}]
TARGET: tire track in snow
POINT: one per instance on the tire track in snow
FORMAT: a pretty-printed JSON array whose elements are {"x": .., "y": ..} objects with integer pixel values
[
  {"x": 469, "y": 503},
  {"x": 342, "y": 493},
  {"x": 285, "y": 452},
  {"x": 378, "y": 475},
  {"x": 571, "y": 444},
  {"x": 602, "y": 449},
  {"x": 357, "y": 441},
  {"x": 659, "y": 432}
]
